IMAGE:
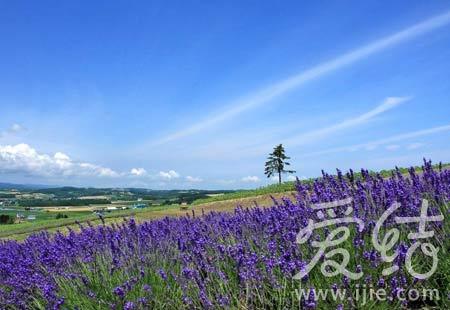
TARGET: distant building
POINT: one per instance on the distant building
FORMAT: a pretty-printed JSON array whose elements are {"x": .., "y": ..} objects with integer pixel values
[
  {"x": 183, "y": 205},
  {"x": 139, "y": 206},
  {"x": 31, "y": 217},
  {"x": 98, "y": 213},
  {"x": 19, "y": 217}
]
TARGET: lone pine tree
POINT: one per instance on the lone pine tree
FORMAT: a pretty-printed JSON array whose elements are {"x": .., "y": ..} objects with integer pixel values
[{"x": 276, "y": 162}]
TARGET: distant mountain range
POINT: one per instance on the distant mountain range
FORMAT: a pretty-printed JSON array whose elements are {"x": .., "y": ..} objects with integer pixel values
[{"x": 9, "y": 186}]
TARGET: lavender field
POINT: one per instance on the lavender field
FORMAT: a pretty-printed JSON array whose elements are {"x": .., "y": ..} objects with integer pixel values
[{"x": 243, "y": 260}]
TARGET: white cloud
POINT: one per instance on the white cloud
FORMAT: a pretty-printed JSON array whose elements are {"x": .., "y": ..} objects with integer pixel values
[
  {"x": 253, "y": 179},
  {"x": 15, "y": 128},
  {"x": 94, "y": 170},
  {"x": 138, "y": 172},
  {"x": 193, "y": 179},
  {"x": 413, "y": 146},
  {"x": 169, "y": 175},
  {"x": 282, "y": 87},
  {"x": 392, "y": 147},
  {"x": 22, "y": 158}
]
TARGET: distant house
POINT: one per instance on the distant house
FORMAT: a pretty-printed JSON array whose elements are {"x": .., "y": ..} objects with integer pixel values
[
  {"x": 183, "y": 205},
  {"x": 98, "y": 213},
  {"x": 139, "y": 206},
  {"x": 111, "y": 208},
  {"x": 31, "y": 217},
  {"x": 19, "y": 217}
]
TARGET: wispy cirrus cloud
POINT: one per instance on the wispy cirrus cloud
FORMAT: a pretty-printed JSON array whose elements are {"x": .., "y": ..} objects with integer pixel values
[
  {"x": 392, "y": 147},
  {"x": 387, "y": 104},
  {"x": 282, "y": 87},
  {"x": 385, "y": 141},
  {"x": 414, "y": 145},
  {"x": 245, "y": 150}
]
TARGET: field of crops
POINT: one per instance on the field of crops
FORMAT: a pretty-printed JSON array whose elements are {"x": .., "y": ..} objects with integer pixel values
[{"x": 259, "y": 258}]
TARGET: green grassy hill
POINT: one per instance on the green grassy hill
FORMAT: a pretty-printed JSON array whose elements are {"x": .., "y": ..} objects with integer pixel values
[{"x": 290, "y": 186}]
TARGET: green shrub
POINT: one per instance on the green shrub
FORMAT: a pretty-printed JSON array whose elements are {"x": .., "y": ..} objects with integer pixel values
[
  {"x": 61, "y": 216},
  {"x": 6, "y": 219}
]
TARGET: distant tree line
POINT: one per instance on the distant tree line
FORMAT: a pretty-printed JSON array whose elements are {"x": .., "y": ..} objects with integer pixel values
[
  {"x": 63, "y": 192},
  {"x": 6, "y": 195},
  {"x": 61, "y": 202},
  {"x": 185, "y": 198}
]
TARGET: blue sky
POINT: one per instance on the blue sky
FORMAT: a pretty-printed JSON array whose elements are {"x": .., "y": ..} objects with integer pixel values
[{"x": 195, "y": 94}]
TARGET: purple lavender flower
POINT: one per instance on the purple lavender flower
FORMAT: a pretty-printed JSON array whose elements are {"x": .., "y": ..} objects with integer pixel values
[
  {"x": 147, "y": 288},
  {"x": 119, "y": 291}
]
